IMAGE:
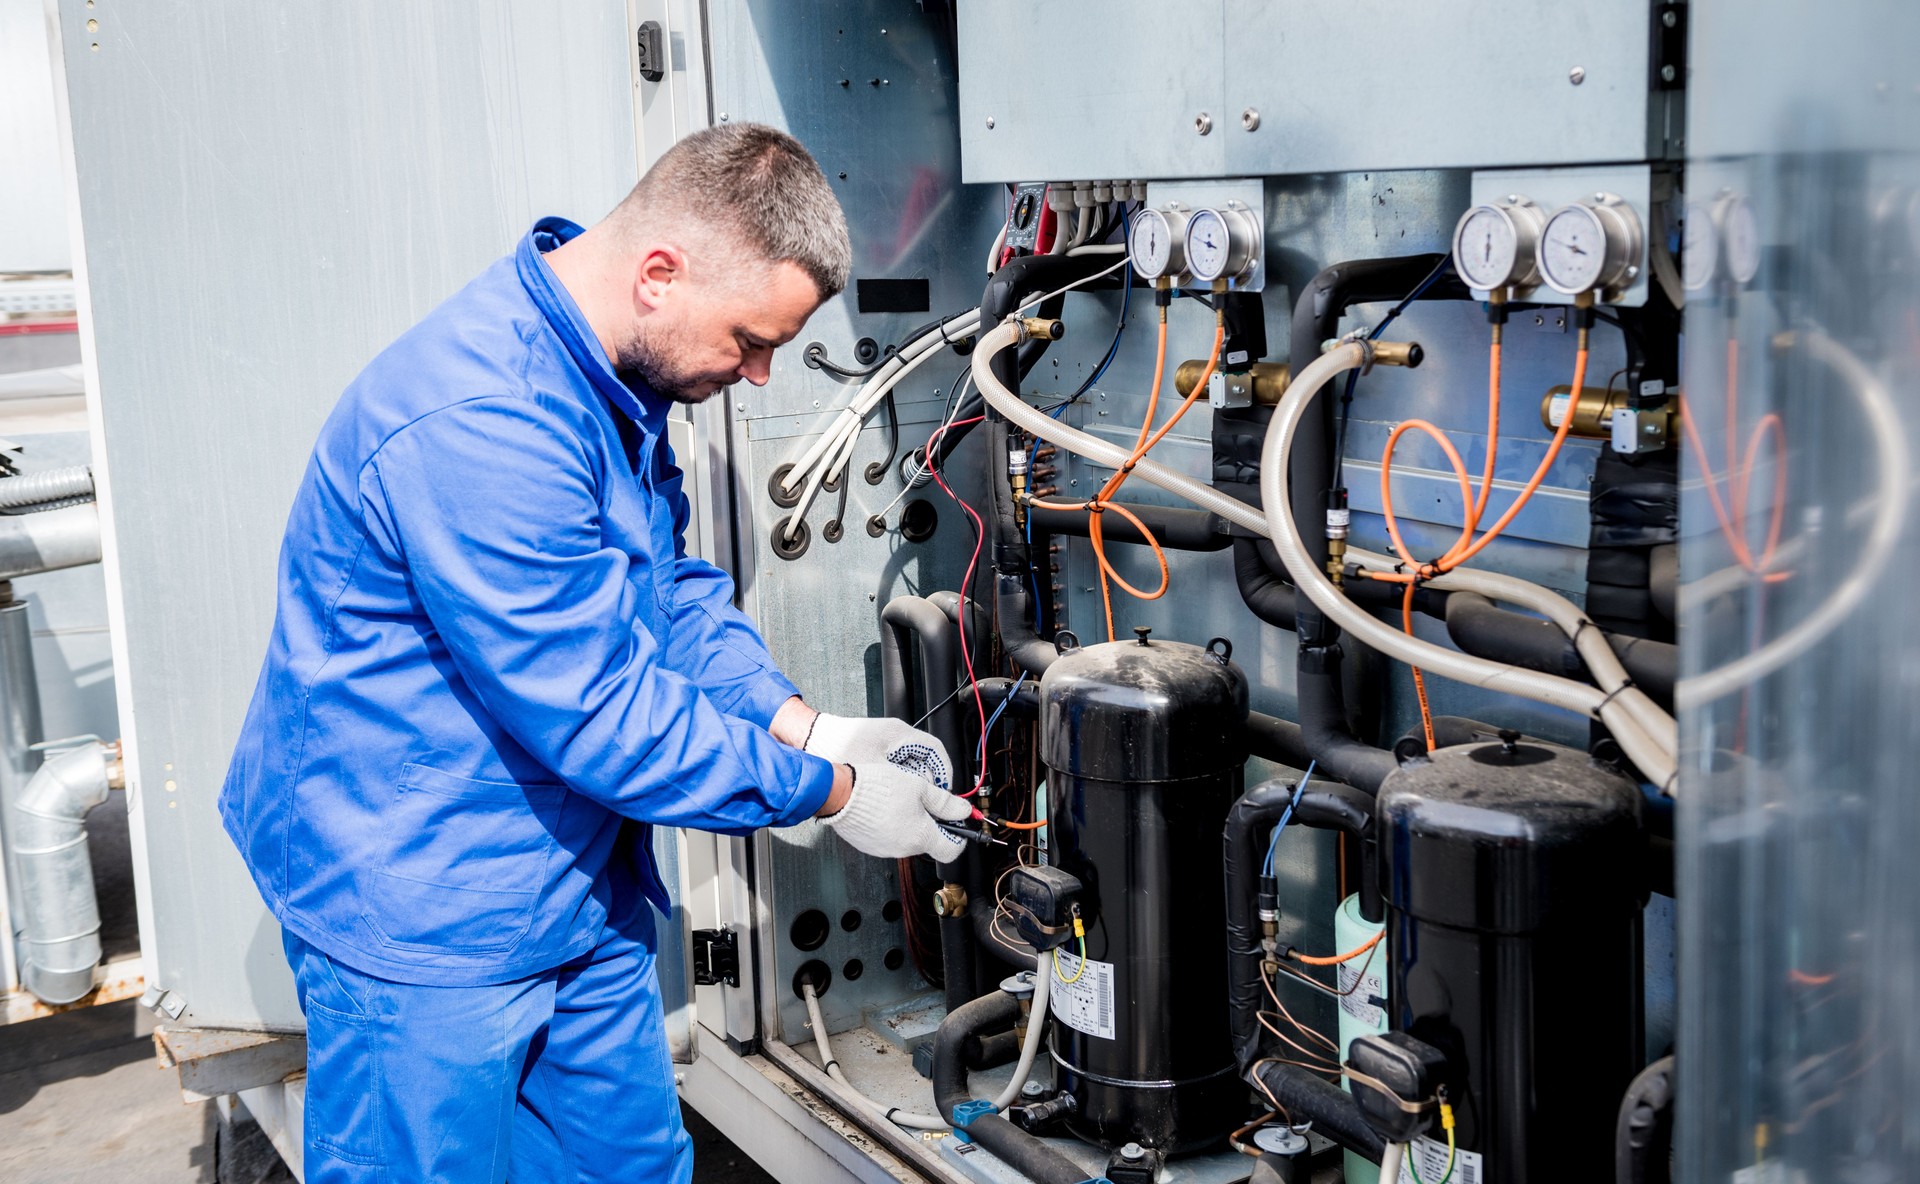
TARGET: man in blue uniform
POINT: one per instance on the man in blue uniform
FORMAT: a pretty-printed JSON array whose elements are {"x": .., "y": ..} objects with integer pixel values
[{"x": 494, "y": 666}]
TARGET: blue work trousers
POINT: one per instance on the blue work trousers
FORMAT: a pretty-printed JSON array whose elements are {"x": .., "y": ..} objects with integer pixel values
[{"x": 564, "y": 1076}]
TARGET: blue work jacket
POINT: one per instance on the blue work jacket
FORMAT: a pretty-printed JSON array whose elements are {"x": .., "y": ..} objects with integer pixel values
[{"x": 492, "y": 650}]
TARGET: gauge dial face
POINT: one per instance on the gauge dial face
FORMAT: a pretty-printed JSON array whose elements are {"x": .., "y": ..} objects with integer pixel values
[
  {"x": 1699, "y": 247},
  {"x": 1154, "y": 245},
  {"x": 1740, "y": 228},
  {"x": 1209, "y": 245},
  {"x": 1486, "y": 248},
  {"x": 1573, "y": 251}
]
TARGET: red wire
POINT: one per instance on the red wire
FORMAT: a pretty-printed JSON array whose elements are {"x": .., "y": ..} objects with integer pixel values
[{"x": 966, "y": 585}]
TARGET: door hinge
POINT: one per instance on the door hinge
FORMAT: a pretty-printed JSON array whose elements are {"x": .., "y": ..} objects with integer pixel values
[
  {"x": 652, "y": 62},
  {"x": 716, "y": 958}
]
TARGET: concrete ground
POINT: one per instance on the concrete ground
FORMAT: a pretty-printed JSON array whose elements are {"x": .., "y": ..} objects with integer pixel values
[{"x": 82, "y": 1099}]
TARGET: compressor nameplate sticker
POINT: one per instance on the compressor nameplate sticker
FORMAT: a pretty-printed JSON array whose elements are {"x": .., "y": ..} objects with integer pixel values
[
  {"x": 1086, "y": 1003},
  {"x": 1430, "y": 1157},
  {"x": 1358, "y": 1001}
]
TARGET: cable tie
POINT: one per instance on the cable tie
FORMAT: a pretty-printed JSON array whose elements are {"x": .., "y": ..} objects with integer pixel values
[{"x": 1602, "y": 705}]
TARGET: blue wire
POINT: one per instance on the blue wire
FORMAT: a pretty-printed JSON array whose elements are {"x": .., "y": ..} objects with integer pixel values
[
  {"x": 995, "y": 718},
  {"x": 1113, "y": 348},
  {"x": 1273, "y": 844}
]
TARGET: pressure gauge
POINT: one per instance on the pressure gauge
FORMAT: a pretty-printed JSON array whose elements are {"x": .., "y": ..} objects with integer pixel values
[
  {"x": 1157, "y": 243},
  {"x": 1494, "y": 245},
  {"x": 1221, "y": 244},
  {"x": 1591, "y": 246},
  {"x": 1740, "y": 235},
  {"x": 1699, "y": 247}
]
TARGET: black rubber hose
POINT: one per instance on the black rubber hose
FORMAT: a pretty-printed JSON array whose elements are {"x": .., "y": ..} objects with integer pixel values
[
  {"x": 1323, "y": 723},
  {"x": 1008, "y": 1143},
  {"x": 1643, "y": 1137},
  {"x": 1176, "y": 529},
  {"x": 1482, "y": 628},
  {"x": 1334, "y": 1112}
]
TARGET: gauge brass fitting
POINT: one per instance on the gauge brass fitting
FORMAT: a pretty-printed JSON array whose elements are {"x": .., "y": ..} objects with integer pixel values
[
  {"x": 1045, "y": 328},
  {"x": 1262, "y": 383},
  {"x": 950, "y": 901},
  {"x": 1594, "y": 409},
  {"x": 1398, "y": 353}
]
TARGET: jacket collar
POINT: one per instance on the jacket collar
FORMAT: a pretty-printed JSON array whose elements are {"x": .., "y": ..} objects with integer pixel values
[{"x": 637, "y": 401}]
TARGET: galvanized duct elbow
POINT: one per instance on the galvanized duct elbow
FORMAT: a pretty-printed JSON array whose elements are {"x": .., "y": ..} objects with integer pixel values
[
  {"x": 49, "y": 541},
  {"x": 59, "y": 916},
  {"x": 55, "y": 485}
]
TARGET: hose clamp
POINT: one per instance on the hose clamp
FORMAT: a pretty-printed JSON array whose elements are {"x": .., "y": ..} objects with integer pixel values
[{"x": 965, "y": 1113}]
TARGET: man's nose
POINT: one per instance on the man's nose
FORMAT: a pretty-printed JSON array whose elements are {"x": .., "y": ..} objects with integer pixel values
[{"x": 757, "y": 367}]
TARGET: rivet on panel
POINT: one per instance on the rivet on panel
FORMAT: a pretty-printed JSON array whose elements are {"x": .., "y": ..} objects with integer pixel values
[
  {"x": 989, "y": 123},
  {"x": 93, "y": 26},
  {"x": 1577, "y": 75},
  {"x": 1250, "y": 119},
  {"x": 1202, "y": 123}
]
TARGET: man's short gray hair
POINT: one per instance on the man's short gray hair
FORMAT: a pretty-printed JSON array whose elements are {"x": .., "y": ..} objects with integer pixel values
[{"x": 752, "y": 190}]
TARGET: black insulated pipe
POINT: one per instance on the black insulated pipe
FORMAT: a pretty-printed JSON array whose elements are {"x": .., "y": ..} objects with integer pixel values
[
  {"x": 1176, "y": 529},
  {"x": 1643, "y": 1137},
  {"x": 1323, "y": 723},
  {"x": 1322, "y": 805},
  {"x": 1482, "y": 628},
  {"x": 1316, "y": 317},
  {"x": 1016, "y": 1148},
  {"x": 904, "y": 621},
  {"x": 1334, "y": 1112}
]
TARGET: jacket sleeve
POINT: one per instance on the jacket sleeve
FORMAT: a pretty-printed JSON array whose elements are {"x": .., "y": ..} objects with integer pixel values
[
  {"x": 492, "y": 505},
  {"x": 711, "y": 637}
]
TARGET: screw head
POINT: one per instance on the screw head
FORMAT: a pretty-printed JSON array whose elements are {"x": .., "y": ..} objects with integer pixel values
[
  {"x": 1202, "y": 123},
  {"x": 1669, "y": 18},
  {"x": 1250, "y": 119},
  {"x": 723, "y": 117},
  {"x": 1133, "y": 1152},
  {"x": 1668, "y": 73},
  {"x": 989, "y": 123},
  {"x": 1033, "y": 1089},
  {"x": 1577, "y": 75}
]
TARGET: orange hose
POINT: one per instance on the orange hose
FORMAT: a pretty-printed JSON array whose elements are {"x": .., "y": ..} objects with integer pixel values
[
  {"x": 1024, "y": 825},
  {"x": 1349, "y": 956},
  {"x": 1419, "y": 677},
  {"x": 1466, "y": 547},
  {"x": 1144, "y": 443}
]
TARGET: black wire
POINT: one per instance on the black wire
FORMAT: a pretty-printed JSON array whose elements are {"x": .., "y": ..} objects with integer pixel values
[
  {"x": 1353, "y": 376},
  {"x": 818, "y": 359},
  {"x": 878, "y": 469}
]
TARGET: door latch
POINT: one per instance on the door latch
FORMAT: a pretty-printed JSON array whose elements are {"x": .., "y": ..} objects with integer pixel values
[{"x": 716, "y": 958}]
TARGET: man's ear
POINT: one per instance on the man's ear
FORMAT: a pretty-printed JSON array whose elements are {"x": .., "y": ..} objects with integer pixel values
[{"x": 659, "y": 268}]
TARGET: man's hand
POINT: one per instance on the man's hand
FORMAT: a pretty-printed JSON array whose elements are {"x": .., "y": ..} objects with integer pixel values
[
  {"x": 891, "y": 813},
  {"x": 858, "y": 742}
]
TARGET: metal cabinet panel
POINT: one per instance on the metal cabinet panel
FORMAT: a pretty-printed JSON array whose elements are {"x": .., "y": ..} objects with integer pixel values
[
  {"x": 268, "y": 194},
  {"x": 1291, "y": 86}
]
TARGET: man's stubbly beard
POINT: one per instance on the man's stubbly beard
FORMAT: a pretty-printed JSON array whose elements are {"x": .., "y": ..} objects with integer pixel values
[{"x": 666, "y": 371}]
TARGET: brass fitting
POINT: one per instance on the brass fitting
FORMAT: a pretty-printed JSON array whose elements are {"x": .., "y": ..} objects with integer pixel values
[
  {"x": 1337, "y": 560},
  {"x": 950, "y": 901},
  {"x": 1593, "y": 412},
  {"x": 1261, "y": 384},
  {"x": 1045, "y": 328},
  {"x": 1398, "y": 353}
]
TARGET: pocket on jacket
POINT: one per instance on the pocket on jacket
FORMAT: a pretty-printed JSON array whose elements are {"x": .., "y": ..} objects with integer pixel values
[{"x": 467, "y": 862}]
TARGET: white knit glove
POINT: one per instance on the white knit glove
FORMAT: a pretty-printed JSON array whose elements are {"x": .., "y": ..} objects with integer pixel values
[
  {"x": 891, "y": 813},
  {"x": 848, "y": 741}
]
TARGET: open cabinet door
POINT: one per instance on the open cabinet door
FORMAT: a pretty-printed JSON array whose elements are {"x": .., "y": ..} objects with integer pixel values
[{"x": 266, "y": 196}]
